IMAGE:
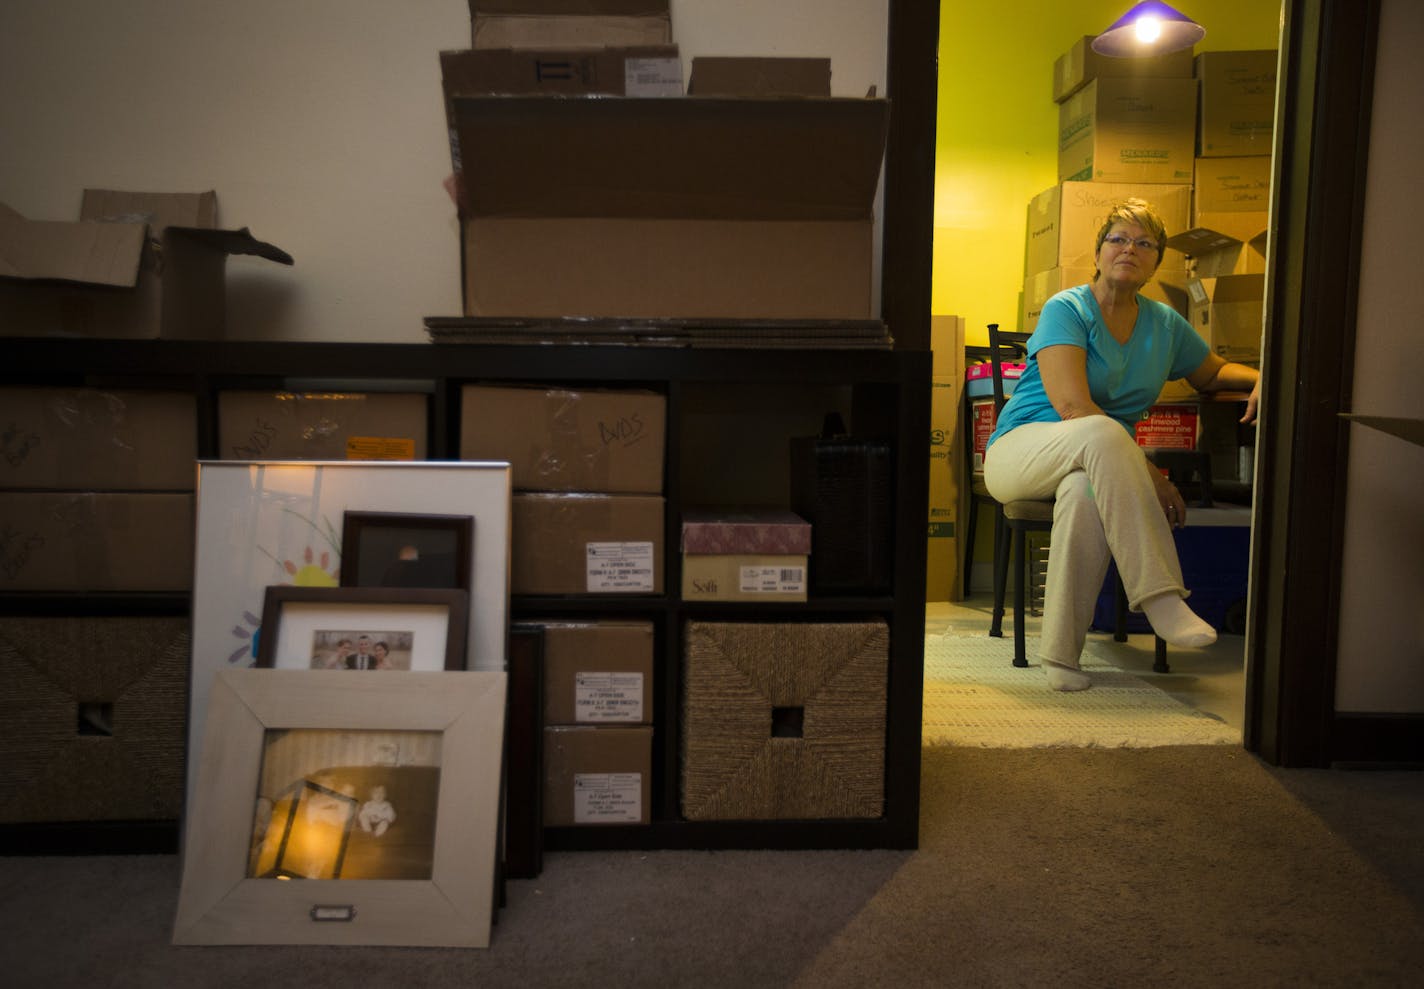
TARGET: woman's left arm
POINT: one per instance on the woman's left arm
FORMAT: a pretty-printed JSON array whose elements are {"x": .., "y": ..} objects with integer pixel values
[{"x": 1219, "y": 374}]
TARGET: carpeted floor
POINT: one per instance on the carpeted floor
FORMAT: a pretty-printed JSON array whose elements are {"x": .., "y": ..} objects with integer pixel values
[{"x": 974, "y": 696}]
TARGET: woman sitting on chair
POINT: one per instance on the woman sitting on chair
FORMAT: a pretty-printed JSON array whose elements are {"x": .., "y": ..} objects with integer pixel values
[{"x": 1097, "y": 360}]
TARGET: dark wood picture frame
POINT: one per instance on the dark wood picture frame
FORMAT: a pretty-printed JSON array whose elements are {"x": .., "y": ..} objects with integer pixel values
[
  {"x": 371, "y": 608},
  {"x": 371, "y": 544}
]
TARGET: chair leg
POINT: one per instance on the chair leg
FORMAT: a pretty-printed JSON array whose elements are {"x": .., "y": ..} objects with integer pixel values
[
  {"x": 972, "y": 527},
  {"x": 1159, "y": 656},
  {"x": 1001, "y": 572},
  {"x": 1020, "y": 559}
]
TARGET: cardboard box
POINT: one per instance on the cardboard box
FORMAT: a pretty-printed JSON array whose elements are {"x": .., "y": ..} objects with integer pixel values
[
  {"x": 652, "y": 208},
  {"x": 1239, "y": 184},
  {"x": 651, "y": 70},
  {"x": 95, "y": 541},
  {"x": 1128, "y": 130},
  {"x": 1212, "y": 253},
  {"x": 1080, "y": 65},
  {"x": 569, "y": 23},
  {"x": 717, "y": 76},
  {"x": 598, "y": 672},
  {"x": 135, "y": 265},
  {"x": 1238, "y": 102},
  {"x": 261, "y": 425},
  {"x": 586, "y": 544},
  {"x": 1039, "y": 288},
  {"x": 597, "y": 776},
  {"x": 1168, "y": 427},
  {"x": 1228, "y": 312},
  {"x": 942, "y": 578},
  {"x": 744, "y": 577},
  {"x": 1064, "y": 220},
  {"x": 93, "y": 439},
  {"x": 564, "y": 439}
]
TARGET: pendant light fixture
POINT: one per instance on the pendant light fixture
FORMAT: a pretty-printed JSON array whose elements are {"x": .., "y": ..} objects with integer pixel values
[{"x": 1150, "y": 28}]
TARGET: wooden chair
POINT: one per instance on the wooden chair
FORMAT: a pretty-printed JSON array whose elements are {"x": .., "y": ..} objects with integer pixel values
[{"x": 1016, "y": 519}]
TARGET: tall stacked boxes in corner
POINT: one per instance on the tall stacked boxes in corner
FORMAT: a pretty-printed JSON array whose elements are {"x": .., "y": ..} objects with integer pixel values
[
  {"x": 1126, "y": 128},
  {"x": 96, "y": 497},
  {"x": 942, "y": 578},
  {"x": 587, "y": 471}
]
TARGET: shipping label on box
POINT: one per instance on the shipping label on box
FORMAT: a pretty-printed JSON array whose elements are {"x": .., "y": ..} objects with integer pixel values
[
  {"x": 1064, "y": 220},
  {"x": 1128, "y": 130},
  {"x": 619, "y": 567},
  {"x": 1238, "y": 102},
  {"x": 608, "y": 798},
  {"x": 606, "y": 696},
  {"x": 1168, "y": 427}
]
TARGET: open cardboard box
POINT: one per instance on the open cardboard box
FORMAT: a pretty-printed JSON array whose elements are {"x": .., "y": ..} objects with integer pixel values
[
  {"x": 664, "y": 208},
  {"x": 1213, "y": 253},
  {"x": 569, "y": 23},
  {"x": 133, "y": 265}
]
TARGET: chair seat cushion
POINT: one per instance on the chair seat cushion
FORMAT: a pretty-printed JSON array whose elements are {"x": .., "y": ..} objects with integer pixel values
[{"x": 1028, "y": 511}]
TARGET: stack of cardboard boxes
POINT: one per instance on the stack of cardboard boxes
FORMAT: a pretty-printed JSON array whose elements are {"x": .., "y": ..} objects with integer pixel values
[{"x": 1192, "y": 135}]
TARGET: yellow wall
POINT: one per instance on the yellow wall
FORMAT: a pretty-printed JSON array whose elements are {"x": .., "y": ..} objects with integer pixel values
[{"x": 997, "y": 131}]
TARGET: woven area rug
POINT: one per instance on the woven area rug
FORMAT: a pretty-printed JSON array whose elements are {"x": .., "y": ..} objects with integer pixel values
[{"x": 974, "y": 696}]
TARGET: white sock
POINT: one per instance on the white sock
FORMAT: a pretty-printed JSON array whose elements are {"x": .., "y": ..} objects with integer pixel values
[
  {"x": 1065, "y": 678},
  {"x": 1177, "y": 623}
]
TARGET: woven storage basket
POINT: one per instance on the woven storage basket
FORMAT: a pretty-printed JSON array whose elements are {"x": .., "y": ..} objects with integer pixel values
[
  {"x": 60, "y": 765},
  {"x": 749, "y": 687}
]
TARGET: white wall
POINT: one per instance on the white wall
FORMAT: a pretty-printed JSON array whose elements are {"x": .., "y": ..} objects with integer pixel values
[
  {"x": 1381, "y": 652},
  {"x": 318, "y": 122}
]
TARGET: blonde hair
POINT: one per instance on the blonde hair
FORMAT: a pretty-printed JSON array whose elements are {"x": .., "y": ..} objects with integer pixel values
[{"x": 1138, "y": 212}]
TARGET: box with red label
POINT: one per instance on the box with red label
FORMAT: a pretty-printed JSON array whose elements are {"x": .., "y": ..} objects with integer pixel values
[
  {"x": 1168, "y": 427},
  {"x": 979, "y": 387}
]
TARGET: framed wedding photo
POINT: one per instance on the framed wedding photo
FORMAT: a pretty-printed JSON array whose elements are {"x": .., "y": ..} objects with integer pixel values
[
  {"x": 345, "y": 810},
  {"x": 396, "y": 549},
  {"x": 363, "y": 628}
]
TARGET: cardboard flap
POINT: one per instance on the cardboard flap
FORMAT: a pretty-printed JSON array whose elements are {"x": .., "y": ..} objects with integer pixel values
[
  {"x": 760, "y": 77},
  {"x": 159, "y": 210},
  {"x": 232, "y": 242},
  {"x": 1214, "y": 253},
  {"x": 1228, "y": 289},
  {"x": 92, "y": 253},
  {"x": 697, "y": 157}
]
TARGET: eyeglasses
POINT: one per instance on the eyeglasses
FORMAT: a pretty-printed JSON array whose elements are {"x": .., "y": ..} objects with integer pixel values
[{"x": 1141, "y": 243}]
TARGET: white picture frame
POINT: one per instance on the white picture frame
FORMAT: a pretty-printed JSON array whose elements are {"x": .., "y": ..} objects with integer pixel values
[
  {"x": 220, "y": 902},
  {"x": 261, "y": 523}
]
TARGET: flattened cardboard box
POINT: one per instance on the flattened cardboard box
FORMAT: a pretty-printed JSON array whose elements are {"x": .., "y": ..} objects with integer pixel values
[
  {"x": 652, "y": 208},
  {"x": 598, "y": 672},
  {"x": 569, "y": 23},
  {"x": 597, "y": 776},
  {"x": 1080, "y": 65},
  {"x": 649, "y": 70},
  {"x": 259, "y": 425},
  {"x": 946, "y": 469},
  {"x": 564, "y": 439},
  {"x": 134, "y": 265},
  {"x": 72, "y": 541},
  {"x": 586, "y": 544},
  {"x": 92, "y": 439},
  {"x": 1128, "y": 130}
]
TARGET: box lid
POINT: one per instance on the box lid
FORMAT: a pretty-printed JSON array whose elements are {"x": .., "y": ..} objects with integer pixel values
[
  {"x": 629, "y": 157},
  {"x": 757, "y": 76},
  {"x": 1212, "y": 253},
  {"x": 766, "y": 531}
]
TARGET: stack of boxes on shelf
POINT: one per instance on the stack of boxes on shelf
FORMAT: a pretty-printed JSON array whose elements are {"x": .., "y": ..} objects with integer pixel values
[
  {"x": 1192, "y": 135},
  {"x": 593, "y": 187},
  {"x": 96, "y": 497}
]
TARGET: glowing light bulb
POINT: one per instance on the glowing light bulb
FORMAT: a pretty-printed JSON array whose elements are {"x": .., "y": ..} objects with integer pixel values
[{"x": 1149, "y": 29}]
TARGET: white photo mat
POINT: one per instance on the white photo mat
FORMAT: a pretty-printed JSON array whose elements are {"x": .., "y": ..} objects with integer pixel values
[
  {"x": 302, "y": 620},
  {"x": 219, "y": 903},
  {"x": 279, "y": 522}
]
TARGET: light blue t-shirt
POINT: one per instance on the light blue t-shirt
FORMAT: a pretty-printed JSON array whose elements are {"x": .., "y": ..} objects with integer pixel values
[{"x": 1123, "y": 379}]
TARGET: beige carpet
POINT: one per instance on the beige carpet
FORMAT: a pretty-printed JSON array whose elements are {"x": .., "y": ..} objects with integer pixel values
[{"x": 974, "y": 696}]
